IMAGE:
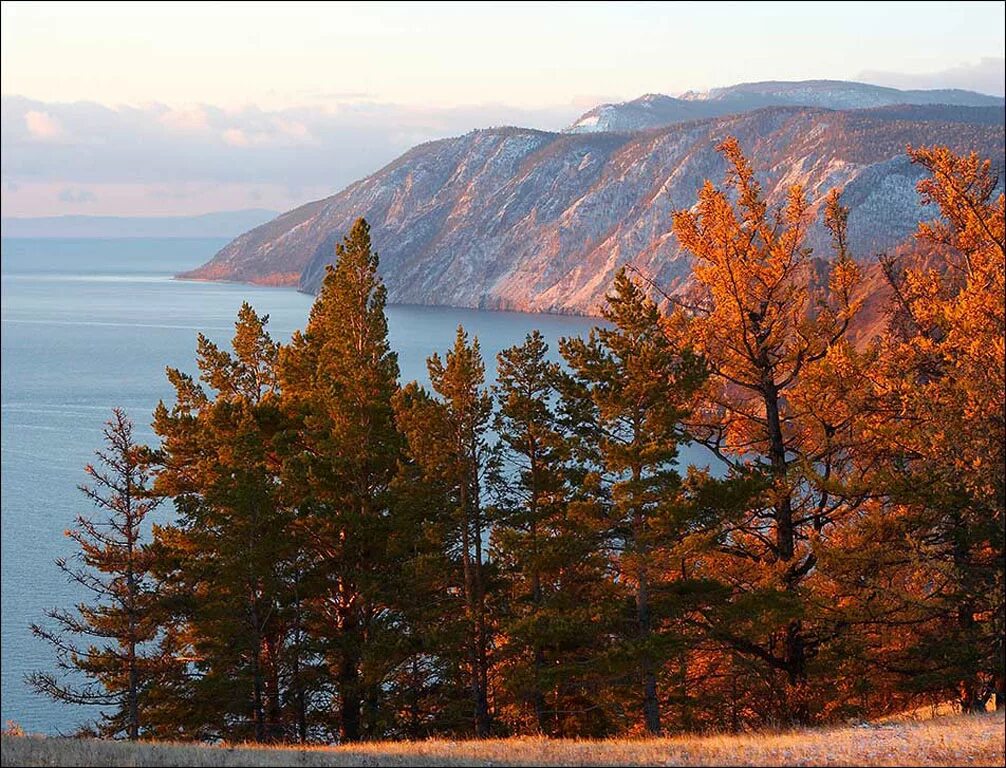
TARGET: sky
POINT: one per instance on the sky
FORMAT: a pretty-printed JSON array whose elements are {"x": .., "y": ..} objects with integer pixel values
[{"x": 176, "y": 108}]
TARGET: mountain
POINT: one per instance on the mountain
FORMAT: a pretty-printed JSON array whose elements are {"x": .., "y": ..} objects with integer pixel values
[
  {"x": 511, "y": 218},
  {"x": 656, "y": 110},
  {"x": 222, "y": 224}
]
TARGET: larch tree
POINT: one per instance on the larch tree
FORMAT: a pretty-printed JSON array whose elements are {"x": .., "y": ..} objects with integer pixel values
[
  {"x": 944, "y": 379},
  {"x": 765, "y": 319},
  {"x": 121, "y": 660}
]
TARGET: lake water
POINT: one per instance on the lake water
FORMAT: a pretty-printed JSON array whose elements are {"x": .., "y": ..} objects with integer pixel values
[{"x": 91, "y": 324}]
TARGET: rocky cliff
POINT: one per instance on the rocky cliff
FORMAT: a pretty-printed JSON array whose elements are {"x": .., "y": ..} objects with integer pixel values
[{"x": 521, "y": 219}]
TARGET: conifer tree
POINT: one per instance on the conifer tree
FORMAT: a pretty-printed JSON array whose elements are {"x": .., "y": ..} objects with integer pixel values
[
  {"x": 459, "y": 380},
  {"x": 558, "y": 610},
  {"x": 764, "y": 330},
  {"x": 943, "y": 443},
  {"x": 447, "y": 437},
  {"x": 339, "y": 460},
  {"x": 431, "y": 686},
  {"x": 120, "y": 660},
  {"x": 224, "y": 566},
  {"x": 637, "y": 388}
]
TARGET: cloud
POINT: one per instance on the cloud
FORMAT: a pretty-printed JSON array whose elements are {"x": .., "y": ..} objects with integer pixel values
[
  {"x": 235, "y": 137},
  {"x": 42, "y": 125},
  {"x": 76, "y": 196},
  {"x": 304, "y": 146},
  {"x": 987, "y": 75},
  {"x": 185, "y": 119},
  {"x": 289, "y": 153}
]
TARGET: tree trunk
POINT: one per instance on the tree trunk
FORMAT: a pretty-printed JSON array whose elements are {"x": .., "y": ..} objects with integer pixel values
[
  {"x": 796, "y": 691},
  {"x": 258, "y": 708},
  {"x": 538, "y": 699},
  {"x": 482, "y": 634},
  {"x": 134, "y": 715},
  {"x": 349, "y": 666},
  {"x": 133, "y": 694},
  {"x": 349, "y": 695},
  {"x": 538, "y": 696},
  {"x": 471, "y": 575},
  {"x": 785, "y": 535},
  {"x": 651, "y": 706},
  {"x": 970, "y": 686},
  {"x": 297, "y": 682},
  {"x": 274, "y": 718}
]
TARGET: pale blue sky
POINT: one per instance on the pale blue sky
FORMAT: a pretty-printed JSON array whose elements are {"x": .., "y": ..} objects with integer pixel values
[
  {"x": 177, "y": 108},
  {"x": 525, "y": 54}
]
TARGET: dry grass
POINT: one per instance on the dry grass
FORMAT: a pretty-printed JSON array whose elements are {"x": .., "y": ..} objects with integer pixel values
[{"x": 974, "y": 740}]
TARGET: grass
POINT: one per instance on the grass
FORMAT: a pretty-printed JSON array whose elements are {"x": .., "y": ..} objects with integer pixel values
[{"x": 957, "y": 740}]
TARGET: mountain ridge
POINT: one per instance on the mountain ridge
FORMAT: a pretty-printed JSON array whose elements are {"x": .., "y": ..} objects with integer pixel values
[
  {"x": 654, "y": 110},
  {"x": 512, "y": 218}
]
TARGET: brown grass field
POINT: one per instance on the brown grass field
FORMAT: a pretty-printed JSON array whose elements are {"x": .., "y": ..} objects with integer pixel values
[{"x": 954, "y": 740}]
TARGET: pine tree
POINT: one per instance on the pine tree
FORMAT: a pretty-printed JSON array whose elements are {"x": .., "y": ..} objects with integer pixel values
[
  {"x": 339, "y": 459},
  {"x": 447, "y": 438},
  {"x": 636, "y": 389},
  {"x": 225, "y": 566},
  {"x": 121, "y": 661},
  {"x": 431, "y": 685},
  {"x": 559, "y": 608}
]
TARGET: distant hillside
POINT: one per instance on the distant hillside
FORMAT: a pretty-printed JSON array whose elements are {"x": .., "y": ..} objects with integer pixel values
[
  {"x": 222, "y": 224},
  {"x": 656, "y": 110},
  {"x": 511, "y": 218}
]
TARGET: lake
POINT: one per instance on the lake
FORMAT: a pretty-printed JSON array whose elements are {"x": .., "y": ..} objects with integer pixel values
[{"x": 91, "y": 324}]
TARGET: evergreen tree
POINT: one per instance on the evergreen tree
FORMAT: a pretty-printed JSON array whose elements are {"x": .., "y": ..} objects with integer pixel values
[
  {"x": 339, "y": 459},
  {"x": 447, "y": 438},
  {"x": 557, "y": 614},
  {"x": 431, "y": 686},
  {"x": 636, "y": 388},
  {"x": 225, "y": 565},
  {"x": 120, "y": 661}
]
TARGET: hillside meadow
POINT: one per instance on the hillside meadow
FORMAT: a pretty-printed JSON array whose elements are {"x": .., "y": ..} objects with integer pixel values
[{"x": 952, "y": 740}]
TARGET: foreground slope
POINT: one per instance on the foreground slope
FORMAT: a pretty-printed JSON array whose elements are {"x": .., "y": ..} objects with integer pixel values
[
  {"x": 973, "y": 740},
  {"x": 511, "y": 218}
]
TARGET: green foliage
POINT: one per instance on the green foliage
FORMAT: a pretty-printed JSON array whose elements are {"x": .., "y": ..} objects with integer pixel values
[{"x": 121, "y": 662}]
